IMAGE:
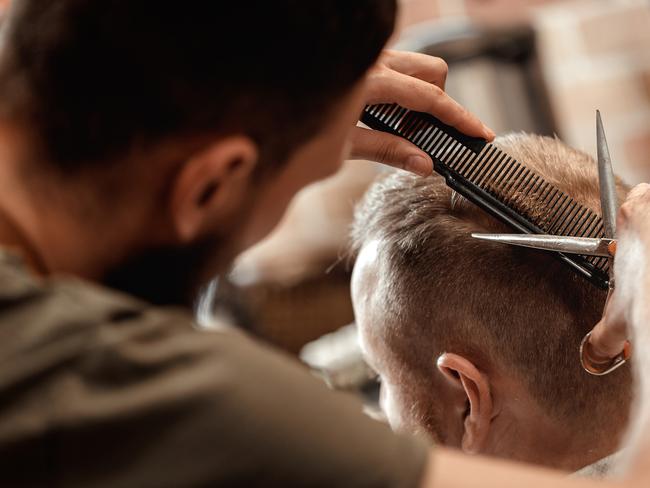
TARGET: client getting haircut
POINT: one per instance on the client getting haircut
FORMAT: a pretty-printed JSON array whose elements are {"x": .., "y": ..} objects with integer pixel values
[{"x": 515, "y": 313}]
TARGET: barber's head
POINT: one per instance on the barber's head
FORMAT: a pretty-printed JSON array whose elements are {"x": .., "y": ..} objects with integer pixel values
[
  {"x": 477, "y": 343},
  {"x": 174, "y": 126}
]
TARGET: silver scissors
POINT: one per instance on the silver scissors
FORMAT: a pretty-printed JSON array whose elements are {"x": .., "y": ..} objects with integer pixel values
[{"x": 587, "y": 246}]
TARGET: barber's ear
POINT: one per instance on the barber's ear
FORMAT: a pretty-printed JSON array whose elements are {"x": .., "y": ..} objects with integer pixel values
[
  {"x": 211, "y": 185},
  {"x": 462, "y": 374}
]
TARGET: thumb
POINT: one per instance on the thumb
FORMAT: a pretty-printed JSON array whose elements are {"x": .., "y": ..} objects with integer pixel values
[
  {"x": 609, "y": 336},
  {"x": 389, "y": 149}
]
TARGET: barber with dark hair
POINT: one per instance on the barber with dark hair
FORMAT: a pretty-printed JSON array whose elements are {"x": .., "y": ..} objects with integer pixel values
[{"x": 142, "y": 146}]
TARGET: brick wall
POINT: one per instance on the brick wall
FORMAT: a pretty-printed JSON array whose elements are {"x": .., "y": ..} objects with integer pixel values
[
  {"x": 596, "y": 54},
  {"x": 483, "y": 11}
]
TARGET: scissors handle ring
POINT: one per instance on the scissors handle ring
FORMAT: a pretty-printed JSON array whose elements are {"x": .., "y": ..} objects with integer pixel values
[{"x": 597, "y": 368}]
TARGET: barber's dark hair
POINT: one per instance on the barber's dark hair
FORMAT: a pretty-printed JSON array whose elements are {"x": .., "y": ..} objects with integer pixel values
[{"x": 93, "y": 80}]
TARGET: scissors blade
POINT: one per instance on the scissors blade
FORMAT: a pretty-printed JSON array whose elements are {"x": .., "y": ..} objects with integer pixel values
[
  {"x": 586, "y": 246},
  {"x": 608, "y": 198}
]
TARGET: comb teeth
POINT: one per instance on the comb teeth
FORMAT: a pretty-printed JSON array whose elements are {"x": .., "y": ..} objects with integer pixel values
[{"x": 496, "y": 182}]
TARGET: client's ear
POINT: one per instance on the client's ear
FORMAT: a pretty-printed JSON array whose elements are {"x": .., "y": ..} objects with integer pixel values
[
  {"x": 211, "y": 185},
  {"x": 463, "y": 374}
]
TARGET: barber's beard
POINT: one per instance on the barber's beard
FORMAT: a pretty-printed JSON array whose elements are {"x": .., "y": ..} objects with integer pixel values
[
  {"x": 169, "y": 275},
  {"x": 175, "y": 275}
]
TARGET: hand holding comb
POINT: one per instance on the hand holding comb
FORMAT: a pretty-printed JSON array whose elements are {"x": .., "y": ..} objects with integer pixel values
[{"x": 497, "y": 183}]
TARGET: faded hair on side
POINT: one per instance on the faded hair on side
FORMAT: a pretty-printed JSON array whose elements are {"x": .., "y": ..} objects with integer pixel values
[{"x": 513, "y": 308}]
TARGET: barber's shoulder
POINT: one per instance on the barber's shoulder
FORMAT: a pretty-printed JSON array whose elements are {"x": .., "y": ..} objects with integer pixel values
[
  {"x": 93, "y": 317},
  {"x": 51, "y": 311},
  {"x": 66, "y": 327},
  {"x": 108, "y": 327},
  {"x": 230, "y": 407}
]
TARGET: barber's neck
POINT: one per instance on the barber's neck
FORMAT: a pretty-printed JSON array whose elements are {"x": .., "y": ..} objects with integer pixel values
[{"x": 38, "y": 221}]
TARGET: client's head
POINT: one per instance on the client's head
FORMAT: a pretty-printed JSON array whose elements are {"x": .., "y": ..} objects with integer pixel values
[{"x": 477, "y": 343}]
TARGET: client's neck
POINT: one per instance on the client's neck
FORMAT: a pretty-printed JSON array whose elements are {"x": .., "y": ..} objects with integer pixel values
[{"x": 524, "y": 431}]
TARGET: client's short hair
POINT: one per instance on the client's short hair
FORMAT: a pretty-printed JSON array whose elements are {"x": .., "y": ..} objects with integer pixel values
[{"x": 521, "y": 309}]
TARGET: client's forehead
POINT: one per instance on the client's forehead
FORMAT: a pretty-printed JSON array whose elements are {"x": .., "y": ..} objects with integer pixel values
[
  {"x": 366, "y": 288},
  {"x": 378, "y": 309},
  {"x": 366, "y": 276}
]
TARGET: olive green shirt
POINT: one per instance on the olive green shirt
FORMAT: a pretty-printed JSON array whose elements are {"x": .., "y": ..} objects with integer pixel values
[{"x": 100, "y": 389}]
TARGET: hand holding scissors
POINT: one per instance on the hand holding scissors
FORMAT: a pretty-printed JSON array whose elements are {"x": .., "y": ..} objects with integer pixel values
[{"x": 606, "y": 347}]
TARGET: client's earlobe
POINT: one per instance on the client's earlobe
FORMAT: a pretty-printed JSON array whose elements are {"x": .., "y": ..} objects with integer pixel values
[{"x": 476, "y": 386}]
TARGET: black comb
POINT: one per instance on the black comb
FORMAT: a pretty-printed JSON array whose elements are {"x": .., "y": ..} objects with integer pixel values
[{"x": 496, "y": 182}]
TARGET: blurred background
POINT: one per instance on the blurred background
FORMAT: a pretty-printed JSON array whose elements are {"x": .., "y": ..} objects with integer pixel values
[{"x": 540, "y": 66}]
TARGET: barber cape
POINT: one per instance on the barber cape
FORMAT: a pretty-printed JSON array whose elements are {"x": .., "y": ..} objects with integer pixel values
[{"x": 600, "y": 469}]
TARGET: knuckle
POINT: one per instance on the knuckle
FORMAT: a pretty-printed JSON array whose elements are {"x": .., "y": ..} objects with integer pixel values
[
  {"x": 388, "y": 54},
  {"x": 636, "y": 197},
  {"x": 639, "y": 191},
  {"x": 436, "y": 105},
  {"x": 386, "y": 152},
  {"x": 381, "y": 64},
  {"x": 623, "y": 217},
  {"x": 435, "y": 95},
  {"x": 625, "y": 212},
  {"x": 378, "y": 81},
  {"x": 461, "y": 114},
  {"x": 374, "y": 73},
  {"x": 380, "y": 74},
  {"x": 443, "y": 67},
  {"x": 645, "y": 190},
  {"x": 436, "y": 91}
]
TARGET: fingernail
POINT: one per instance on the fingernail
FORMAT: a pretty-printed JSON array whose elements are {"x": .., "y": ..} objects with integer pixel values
[
  {"x": 611, "y": 248},
  {"x": 489, "y": 133},
  {"x": 420, "y": 165}
]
